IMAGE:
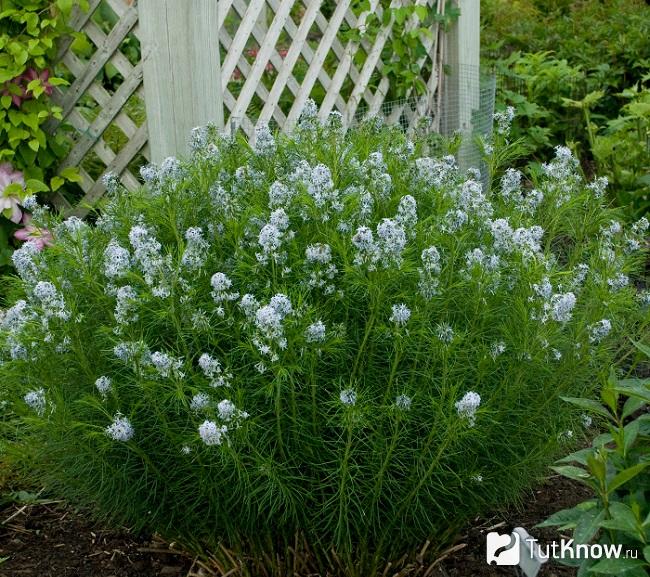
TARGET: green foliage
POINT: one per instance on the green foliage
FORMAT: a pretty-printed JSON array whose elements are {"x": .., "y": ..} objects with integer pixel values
[
  {"x": 621, "y": 149},
  {"x": 29, "y": 32},
  {"x": 552, "y": 54},
  {"x": 617, "y": 468},
  {"x": 537, "y": 86},
  {"x": 609, "y": 38},
  {"x": 28, "y": 35},
  {"x": 169, "y": 368},
  {"x": 404, "y": 57}
]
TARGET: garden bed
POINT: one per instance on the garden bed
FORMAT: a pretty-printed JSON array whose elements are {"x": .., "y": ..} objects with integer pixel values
[{"x": 54, "y": 540}]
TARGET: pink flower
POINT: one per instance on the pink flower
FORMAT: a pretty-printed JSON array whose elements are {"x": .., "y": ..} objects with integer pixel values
[
  {"x": 10, "y": 203},
  {"x": 22, "y": 93},
  {"x": 31, "y": 74},
  {"x": 41, "y": 237},
  {"x": 16, "y": 95}
]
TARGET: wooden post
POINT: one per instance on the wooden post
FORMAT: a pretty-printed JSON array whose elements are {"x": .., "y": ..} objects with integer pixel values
[
  {"x": 182, "y": 71},
  {"x": 462, "y": 85}
]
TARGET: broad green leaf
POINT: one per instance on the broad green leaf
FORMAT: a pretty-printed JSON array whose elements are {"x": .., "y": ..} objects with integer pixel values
[
  {"x": 632, "y": 405},
  {"x": 622, "y": 519},
  {"x": 631, "y": 432},
  {"x": 572, "y": 472},
  {"x": 588, "y": 525},
  {"x": 35, "y": 185},
  {"x": 639, "y": 391},
  {"x": 33, "y": 84},
  {"x": 577, "y": 457},
  {"x": 602, "y": 439},
  {"x": 566, "y": 518},
  {"x": 56, "y": 182},
  {"x": 71, "y": 174},
  {"x": 421, "y": 11},
  {"x": 31, "y": 120},
  {"x": 589, "y": 405},
  {"x": 585, "y": 566},
  {"x": 633, "y": 382},
  {"x": 625, "y": 475},
  {"x": 617, "y": 567},
  {"x": 646, "y": 553},
  {"x": 65, "y": 6},
  {"x": 13, "y": 189},
  {"x": 597, "y": 466},
  {"x": 58, "y": 82}
]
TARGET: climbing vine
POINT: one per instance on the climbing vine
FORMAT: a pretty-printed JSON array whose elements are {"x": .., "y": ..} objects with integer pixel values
[
  {"x": 29, "y": 157},
  {"x": 412, "y": 26}
]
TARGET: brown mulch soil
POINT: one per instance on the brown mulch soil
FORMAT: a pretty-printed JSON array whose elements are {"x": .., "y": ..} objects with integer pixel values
[
  {"x": 553, "y": 495},
  {"x": 51, "y": 539}
]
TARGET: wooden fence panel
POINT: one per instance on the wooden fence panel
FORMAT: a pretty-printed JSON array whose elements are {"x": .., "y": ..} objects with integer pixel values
[{"x": 275, "y": 54}]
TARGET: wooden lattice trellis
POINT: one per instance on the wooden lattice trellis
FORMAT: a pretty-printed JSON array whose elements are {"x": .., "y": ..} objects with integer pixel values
[
  {"x": 284, "y": 46},
  {"x": 275, "y": 54},
  {"x": 89, "y": 134}
]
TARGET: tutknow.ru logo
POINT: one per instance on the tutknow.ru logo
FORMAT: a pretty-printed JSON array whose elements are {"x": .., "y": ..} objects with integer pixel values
[{"x": 520, "y": 548}]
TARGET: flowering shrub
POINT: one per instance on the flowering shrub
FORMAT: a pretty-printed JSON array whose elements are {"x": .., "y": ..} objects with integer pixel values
[{"x": 332, "y": 334}]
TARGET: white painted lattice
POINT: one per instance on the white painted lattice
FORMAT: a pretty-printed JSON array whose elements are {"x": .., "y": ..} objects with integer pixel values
[
  {"x": 299, "y": 53},
  {"x": 275, "y": 54}
]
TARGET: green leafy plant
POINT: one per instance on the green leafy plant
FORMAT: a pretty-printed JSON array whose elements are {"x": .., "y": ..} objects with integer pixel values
[
  {"x": 330, "y": 335},
  {"x": 617, "y": 468},
  {"x": 404, "y": 55},
  {"x": 28, "y": 35},
  {"x": 556, "y": 62},
  {"x": 29, "y": 157},
  {"x": 538, "y": 85},
  {"x": 621, "y": 150}
]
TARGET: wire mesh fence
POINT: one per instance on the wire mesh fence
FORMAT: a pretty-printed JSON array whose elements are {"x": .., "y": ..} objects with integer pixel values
[{"x": 463, "y": 110}]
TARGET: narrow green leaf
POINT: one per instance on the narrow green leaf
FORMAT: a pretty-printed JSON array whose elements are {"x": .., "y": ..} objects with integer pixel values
[{"x": 645, "y": 349}]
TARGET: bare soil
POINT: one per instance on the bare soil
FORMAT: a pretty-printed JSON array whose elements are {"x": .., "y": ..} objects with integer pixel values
[{"x": 51, "y": 539}]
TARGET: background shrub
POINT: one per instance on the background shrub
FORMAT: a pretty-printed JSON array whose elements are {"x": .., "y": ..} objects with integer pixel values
[
  {"x": 556, "y": 59},
  {"x": 332, "y": 334}
]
